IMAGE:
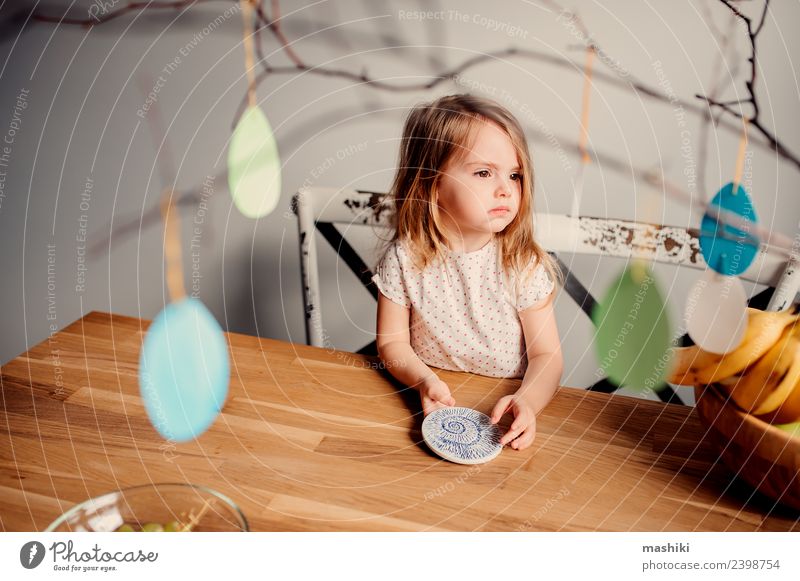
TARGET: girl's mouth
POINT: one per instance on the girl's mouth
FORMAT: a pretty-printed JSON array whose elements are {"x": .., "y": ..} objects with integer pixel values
[{"x": 499, "y": 211}]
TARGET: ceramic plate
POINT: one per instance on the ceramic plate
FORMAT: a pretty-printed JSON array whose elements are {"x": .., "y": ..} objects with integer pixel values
[{"x": 462, "y": 435}]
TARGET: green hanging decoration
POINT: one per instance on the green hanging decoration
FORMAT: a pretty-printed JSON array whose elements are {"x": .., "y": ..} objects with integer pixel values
[
  {"x": 633, "y": 331},
  {"x": 254, "y": 167}
]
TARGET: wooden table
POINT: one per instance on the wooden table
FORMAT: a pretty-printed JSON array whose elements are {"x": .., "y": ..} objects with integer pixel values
[{"x": 311, "y": 439}]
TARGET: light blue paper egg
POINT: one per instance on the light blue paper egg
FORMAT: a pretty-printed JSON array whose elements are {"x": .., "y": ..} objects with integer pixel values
[
  {"x": 184, "y": 370},
  {"x": 732, "y": 253}
]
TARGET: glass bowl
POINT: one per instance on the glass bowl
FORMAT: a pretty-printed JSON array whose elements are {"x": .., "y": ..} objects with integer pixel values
[{"x": 153, "y": 508}]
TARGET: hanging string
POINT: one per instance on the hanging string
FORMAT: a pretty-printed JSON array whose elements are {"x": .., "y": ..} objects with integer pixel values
[
  {"x": 737, "y": 176},
  {"x": 584, "y": 133},
  {"x": 249, "y": 58},
  {"x": 172, "y": 246},
  {"x": 737, "y": 179},
  {"x": 587, "y": 93},
  {"x": 640, "y": 265}
]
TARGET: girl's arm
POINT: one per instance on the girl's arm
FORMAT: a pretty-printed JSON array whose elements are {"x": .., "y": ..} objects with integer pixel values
[
  {"x": 394, "y": 349},
  {"x": 545, "y": 365},
  {"x": 545, "y": 361}
]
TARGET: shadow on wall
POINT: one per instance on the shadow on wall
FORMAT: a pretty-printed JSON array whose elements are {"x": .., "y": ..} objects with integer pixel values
[{"x": 261, "y": 289}]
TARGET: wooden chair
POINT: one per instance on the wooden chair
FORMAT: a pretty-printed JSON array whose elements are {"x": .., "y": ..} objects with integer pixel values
[{"x": 323, "y": 209}]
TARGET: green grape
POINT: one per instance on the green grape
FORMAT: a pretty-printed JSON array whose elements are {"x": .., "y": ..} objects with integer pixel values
[
  {"x": 172, "y": 526},
  {"x": 793, "y": 429},
  {"x": 153, "y": 527},
  {"x": 125, "y": 528}
]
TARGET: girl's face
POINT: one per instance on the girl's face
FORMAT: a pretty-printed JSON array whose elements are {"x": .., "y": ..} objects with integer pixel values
[{"x": 479, "y": 194}]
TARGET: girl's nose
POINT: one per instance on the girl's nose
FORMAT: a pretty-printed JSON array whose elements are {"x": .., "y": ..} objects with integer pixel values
[{"x": 504, "y": 189}]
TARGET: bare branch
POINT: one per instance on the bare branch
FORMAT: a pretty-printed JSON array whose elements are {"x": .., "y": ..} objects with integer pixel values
[
  {"x": 112, "y": 14},
  {"x": 273, "y": 24},
  {"x": 776, "y": 242},
  {"x": 776, "y": 145},
  {"x": 136, "y": 223},
  {"x": 751, "y": 82},
  {"x": 709, "y": 117}
]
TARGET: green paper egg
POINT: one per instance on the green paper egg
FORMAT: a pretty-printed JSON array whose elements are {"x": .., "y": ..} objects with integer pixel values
[
  {"x": 254, "y": 167},
  {"x": 633, "y": 335}
]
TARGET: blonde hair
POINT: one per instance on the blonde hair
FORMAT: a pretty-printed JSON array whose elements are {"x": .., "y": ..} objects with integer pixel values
[{"x": 434, "y": 134}]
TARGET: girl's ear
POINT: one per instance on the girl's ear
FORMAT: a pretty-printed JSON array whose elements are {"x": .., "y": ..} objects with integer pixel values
[{"x": 434, "y": 206}]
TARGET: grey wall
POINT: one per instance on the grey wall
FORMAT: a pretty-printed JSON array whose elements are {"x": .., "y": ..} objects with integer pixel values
[{"x": 80, "y": 126}]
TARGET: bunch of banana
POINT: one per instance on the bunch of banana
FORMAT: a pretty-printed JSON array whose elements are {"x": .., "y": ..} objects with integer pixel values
[{"x": 762, "y": 375}]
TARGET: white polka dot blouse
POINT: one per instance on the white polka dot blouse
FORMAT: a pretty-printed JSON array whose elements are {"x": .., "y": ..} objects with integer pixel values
[{"x": 464, "y": 310}]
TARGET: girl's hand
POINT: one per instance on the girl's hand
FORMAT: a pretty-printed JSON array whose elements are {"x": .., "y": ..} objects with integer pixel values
[
  {"x": 435, "y": 394},
  {"x": 523, "y": 428}
]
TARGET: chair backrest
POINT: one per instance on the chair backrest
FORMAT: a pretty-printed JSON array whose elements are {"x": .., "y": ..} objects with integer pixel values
[{"x": 322, "y": 209}]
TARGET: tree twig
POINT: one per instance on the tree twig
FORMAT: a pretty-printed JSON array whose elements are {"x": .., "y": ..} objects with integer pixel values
[
  {"x": 94, "y": 20},
  {"x": 709, "y": 117},
  {"x": 273, "y": 24},
  {"x": 752, "y": 98}
]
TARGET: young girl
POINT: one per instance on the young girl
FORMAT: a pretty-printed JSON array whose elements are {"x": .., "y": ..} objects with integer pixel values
[{"x": 464, "y": 285}]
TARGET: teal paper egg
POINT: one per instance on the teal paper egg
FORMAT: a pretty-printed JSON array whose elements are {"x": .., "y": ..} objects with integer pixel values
[
  {"x": 726, "y": 249},
  {"x": 184, "y": 370},
  {"x": 633, "y": 335}
]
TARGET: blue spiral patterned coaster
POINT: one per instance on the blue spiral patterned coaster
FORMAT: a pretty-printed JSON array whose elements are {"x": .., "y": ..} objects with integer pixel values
[{"x": 462, "y": 435}]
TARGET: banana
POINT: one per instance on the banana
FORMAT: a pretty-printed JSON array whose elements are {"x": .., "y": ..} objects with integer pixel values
[
  {"x": 686, "y": 362},
  {"x": 763, "y": 387},
  {"x": 694, "y": 366},
  {"x": 787, "y": 384},
  {"x": 789, "y": 411}
]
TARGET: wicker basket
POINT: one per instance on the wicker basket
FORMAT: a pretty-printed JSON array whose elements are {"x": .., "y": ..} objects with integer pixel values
[{"x": 765, "y": 457}]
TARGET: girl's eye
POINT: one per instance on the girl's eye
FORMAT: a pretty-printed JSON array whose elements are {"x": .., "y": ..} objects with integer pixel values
[{"x": 485, "y": 173}]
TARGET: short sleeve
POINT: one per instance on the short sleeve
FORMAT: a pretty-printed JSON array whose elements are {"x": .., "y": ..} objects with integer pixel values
[
  {"x": 534, "y": 287},
  {"x": 388, "y": 277}
]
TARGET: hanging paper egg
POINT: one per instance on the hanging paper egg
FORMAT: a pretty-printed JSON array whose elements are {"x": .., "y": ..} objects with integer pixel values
[
  {"x": 716, "y": 312},
  {"x": 254, "y": 167},
  {"x": 726, "y": 249},
  {"x": 633, "y": 331},
  {"x": 184, "y": 370}
]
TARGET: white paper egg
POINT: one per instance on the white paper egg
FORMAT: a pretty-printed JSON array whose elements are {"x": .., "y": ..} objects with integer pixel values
[{"x": 716, "y": 312}]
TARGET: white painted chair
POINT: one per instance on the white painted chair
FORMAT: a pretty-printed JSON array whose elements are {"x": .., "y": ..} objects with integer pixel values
[{"x": 323, "y": 209}]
